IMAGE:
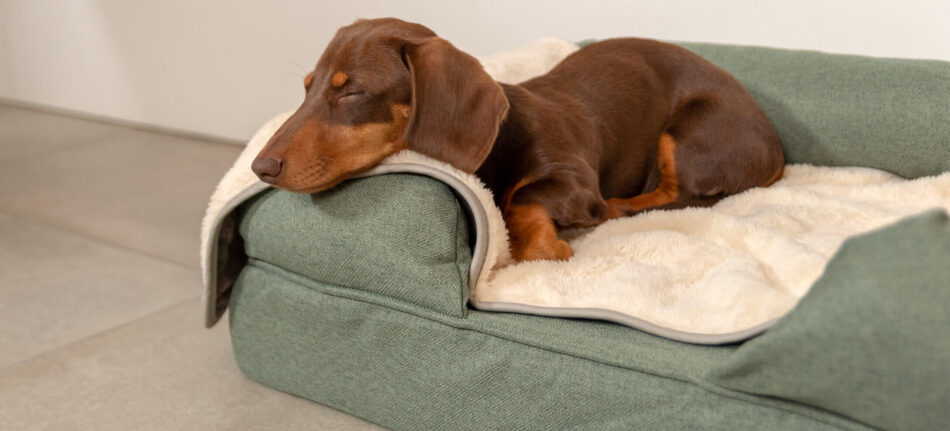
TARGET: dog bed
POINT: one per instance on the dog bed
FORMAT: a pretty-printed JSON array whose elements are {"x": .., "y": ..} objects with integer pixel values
[
  {"x": 710, "y": 275},
  {"x": 430, "y": 243}
]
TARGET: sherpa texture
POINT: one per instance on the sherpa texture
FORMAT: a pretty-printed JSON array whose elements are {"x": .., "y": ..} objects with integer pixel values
[{"x": 745, "y": 261}]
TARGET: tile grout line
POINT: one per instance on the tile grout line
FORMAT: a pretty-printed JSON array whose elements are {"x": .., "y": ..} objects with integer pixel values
[
  {"x": 120, "y": 129},
  {"x": 33, "y": 357},
  {"x": 66, "y": 147},
  {"x": 102, "y": 241}
]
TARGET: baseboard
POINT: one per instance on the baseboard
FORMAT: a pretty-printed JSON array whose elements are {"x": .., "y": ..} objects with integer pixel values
[{"x": 66, "y": 112}]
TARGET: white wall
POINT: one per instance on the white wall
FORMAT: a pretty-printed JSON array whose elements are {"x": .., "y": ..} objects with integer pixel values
[{"x": 223, "y": 67}]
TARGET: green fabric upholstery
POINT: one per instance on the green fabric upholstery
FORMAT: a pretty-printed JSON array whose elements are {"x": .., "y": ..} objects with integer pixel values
[
  {"x": 407, "y": 367},
  {"x": 872, "y": 337},
  {"x": 401, "y": 236},
  {"x": 844, "y": 110},
  {"x": 356, "y": 298}
]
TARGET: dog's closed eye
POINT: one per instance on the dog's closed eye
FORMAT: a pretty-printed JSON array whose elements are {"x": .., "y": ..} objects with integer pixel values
[{"x": 351, "y": 95}]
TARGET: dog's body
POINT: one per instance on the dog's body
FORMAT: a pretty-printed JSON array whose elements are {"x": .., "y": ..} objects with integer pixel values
[{"x": 618, "y": 127}]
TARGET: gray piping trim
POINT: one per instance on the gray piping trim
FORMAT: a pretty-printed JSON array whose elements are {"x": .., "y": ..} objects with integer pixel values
[
  {"x": 627, "y": 320},
  {"x": 480, "y": 218}
]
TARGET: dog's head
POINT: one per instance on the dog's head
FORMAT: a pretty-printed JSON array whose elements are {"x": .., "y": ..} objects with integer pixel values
[{"x": 382, "y": 86}]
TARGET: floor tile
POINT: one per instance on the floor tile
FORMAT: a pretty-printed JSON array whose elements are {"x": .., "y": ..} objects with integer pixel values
[
  {"x": 100, "y": 321},
  {"x": 57, "y": 287},
  {"x": 141, "y": 190},
  {"x": 163, "y": 372},
  {"x": 25, "y": 133}
]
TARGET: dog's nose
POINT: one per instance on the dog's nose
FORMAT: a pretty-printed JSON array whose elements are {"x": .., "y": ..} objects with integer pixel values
[{"x": 267, "y": 169}]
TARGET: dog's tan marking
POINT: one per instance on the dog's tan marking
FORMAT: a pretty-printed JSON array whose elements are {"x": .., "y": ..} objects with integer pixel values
[
  {"x": 356, "y": 149},
  {"x": 775, "y": 177},
  {"x": 533, "y": 235},
  {"x": 400, "y": 111},
  {"x": 666, "y": 192},
  {"x": 307, "y": 80},
  {"x": 339, "y": 79}
]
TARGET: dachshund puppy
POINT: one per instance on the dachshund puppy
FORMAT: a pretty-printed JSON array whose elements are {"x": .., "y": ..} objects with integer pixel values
[{"x": 618, "y": 127}]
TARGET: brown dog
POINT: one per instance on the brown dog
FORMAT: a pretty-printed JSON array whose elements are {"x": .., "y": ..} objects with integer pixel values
[{"x": 618, "y": 127}]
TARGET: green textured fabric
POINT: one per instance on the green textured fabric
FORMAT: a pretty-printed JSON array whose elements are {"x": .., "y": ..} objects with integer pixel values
[
  {"x": 402, "y": 236},
  {"x": 844, "y": 110},
  {"x": 872, "y": 337},
  {"x": 407, "y": 367}
]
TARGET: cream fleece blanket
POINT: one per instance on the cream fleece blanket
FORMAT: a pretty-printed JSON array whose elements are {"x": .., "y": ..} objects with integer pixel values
[
  {"x": 704, "y": 275},
  {"x": 743, "y": 262}
]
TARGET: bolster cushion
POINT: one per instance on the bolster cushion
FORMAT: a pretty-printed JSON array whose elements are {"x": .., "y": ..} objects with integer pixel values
[
  {"x": 845, "y": 110},
  {"x": 402, "y": 236}
]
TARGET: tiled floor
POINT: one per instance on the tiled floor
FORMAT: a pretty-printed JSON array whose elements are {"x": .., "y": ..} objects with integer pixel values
[{"x": 100, "y": 322}]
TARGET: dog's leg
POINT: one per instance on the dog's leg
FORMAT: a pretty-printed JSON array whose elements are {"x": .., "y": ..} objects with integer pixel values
[
  {"x": 706, "y": 154},
  {"x": 534, "y": 210},
  {"x": 532, "y": 234},
  {"x": 665, "y": 193}
]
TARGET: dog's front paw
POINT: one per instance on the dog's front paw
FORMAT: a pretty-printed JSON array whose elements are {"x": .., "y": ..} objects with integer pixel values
[{"x": 556, "y": 249}]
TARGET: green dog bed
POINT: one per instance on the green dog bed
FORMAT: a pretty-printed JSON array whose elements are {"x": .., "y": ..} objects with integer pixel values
[{"x": 358, "y": 298}]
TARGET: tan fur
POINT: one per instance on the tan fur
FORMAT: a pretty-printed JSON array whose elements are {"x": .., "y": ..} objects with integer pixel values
[
  {"x": 775, "y": 177},
  {"x": 361, "y": 147},
  {"x": 666, "y": 192},
  {"x": 533, "y": 235},
  {"x": 339, "y": 79},
  {"x": 308, "y": 80}
]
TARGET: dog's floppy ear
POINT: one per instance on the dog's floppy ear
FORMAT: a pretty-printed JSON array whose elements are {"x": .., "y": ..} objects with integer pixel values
[{"x": 456, "y": 107}]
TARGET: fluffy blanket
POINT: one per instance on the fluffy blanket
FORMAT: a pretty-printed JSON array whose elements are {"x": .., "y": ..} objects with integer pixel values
[
  {"x": 714, "y": 274},
  {"x": 743, "y": 262}
]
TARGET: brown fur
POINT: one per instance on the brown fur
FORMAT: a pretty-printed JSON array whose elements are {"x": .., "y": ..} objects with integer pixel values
[{"x": 620, "y": 126}]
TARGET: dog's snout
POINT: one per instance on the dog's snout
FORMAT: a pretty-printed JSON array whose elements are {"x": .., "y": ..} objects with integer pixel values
[{"x": 267, "y": 168}]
